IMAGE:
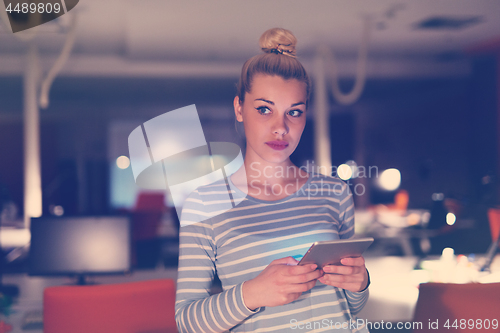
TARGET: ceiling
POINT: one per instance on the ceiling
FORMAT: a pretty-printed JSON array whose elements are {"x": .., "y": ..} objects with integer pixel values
[{"x": 154, "y": 38}]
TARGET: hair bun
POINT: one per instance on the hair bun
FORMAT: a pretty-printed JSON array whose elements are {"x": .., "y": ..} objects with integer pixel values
[{"x": 278, "y": 40}]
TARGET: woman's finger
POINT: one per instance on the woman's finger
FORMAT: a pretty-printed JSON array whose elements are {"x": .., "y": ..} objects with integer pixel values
[
  {"x": 300, "y": 287},
  {"x": 305, "y": 276},
  {"x": 338, "y": 278},
  {"x": 345, "y": 270},
  {"x": 300, "y": 269},
  {"x": 355, "y": 261}
]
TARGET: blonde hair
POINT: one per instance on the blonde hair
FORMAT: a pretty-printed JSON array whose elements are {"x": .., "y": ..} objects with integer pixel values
[{"x": 278, "y": 59}]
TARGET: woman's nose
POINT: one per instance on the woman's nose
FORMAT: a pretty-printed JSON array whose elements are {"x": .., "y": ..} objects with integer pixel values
[{"x": 280, "y": 126}]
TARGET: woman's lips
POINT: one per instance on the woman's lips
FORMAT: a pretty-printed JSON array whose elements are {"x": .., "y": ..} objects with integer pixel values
[{"x": 277, "y": 145}]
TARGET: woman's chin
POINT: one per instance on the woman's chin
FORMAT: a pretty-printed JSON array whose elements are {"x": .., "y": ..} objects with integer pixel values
[{"x": 277, "y": 158}]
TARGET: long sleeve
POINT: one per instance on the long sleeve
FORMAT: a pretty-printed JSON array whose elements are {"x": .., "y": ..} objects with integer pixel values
[
  {"x": 357, "y": 300},
  {"x": 195, "y": 309}
]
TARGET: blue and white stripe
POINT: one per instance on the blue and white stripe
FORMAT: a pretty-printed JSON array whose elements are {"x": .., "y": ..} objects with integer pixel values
[{"x": 239, "y": 243}]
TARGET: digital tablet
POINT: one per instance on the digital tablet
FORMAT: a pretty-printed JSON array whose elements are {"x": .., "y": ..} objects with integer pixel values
[{"x": 330, "y": 252}]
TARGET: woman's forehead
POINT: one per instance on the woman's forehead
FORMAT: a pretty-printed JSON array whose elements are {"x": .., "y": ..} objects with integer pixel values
[{"x": 273, "y": 86}]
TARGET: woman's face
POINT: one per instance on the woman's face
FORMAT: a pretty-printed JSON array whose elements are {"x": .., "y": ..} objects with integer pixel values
[{"x": 274, "y": 116}]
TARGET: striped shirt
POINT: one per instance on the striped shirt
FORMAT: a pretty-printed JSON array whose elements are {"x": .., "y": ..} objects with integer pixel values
[{"x": 237, "y": 244}]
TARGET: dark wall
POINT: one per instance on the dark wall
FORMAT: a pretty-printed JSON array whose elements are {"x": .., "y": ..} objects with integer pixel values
[{"x": 483, "y": 122}]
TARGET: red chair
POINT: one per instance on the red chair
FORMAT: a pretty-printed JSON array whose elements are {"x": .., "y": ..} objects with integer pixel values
[
  {"x": 147, "y": 214},
  {"x": 494, "y": 219},
  {"x": 134, "y": 307},
  {"x": 146, "y": 218}
]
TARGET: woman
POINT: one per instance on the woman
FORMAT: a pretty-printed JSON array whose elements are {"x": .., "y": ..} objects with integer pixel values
[{"x": 252, "y": 246}]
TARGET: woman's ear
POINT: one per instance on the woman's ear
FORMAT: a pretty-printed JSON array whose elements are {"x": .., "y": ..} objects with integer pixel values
[{"x": 237, "y": 109}]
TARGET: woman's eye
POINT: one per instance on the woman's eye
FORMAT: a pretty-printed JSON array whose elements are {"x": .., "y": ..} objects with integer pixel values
[
  {"x": 263, "y": 110},
  {"x": 295, "y": 113}
]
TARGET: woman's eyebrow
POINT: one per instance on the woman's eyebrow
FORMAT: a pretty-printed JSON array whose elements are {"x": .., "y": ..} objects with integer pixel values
[
  {"x": 272, "y": 103},
  {"x": 264, "y": 100}
]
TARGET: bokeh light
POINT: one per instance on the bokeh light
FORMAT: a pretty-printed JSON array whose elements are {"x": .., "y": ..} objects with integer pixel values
[
  {"x": 450, "y": 218},
  {"x": 390, "y": 179},
  {"x": 344, "y": 172},
  {"x": 123, "y": 162}
]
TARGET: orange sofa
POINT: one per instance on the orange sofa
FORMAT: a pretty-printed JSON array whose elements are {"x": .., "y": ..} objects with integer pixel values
[{"x": 135, "y": 307}]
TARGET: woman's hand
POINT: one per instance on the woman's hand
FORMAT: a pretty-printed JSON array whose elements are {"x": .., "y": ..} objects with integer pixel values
[
  {"x": 281, "y": 282},
  {"x": 351, "y": 275}
]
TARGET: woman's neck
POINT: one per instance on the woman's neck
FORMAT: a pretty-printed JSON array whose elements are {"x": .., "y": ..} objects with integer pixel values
[
  {"x": 257, "y": 171},
  {"x": 271, "y": 173}
]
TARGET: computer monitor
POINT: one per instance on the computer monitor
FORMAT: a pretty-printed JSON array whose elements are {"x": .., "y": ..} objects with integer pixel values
[{"x": 80, "y": 246}]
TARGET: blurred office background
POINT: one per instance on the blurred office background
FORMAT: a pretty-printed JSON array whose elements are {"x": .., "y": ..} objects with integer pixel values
[{"x": 429, "y": 107}]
